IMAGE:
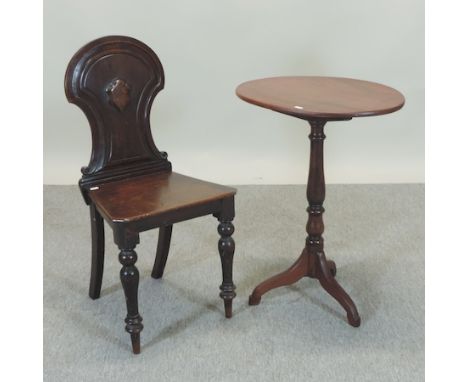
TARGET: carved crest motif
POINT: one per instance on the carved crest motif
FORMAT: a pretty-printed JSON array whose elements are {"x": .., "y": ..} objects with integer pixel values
[{"x": 119, "y": 93}]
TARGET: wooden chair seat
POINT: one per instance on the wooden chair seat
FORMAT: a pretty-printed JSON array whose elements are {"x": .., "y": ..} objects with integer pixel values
[{"x": 159, "y": 195}]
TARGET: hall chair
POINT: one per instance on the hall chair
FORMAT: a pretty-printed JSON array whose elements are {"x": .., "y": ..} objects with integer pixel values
[{"x": 129, "y": 182}]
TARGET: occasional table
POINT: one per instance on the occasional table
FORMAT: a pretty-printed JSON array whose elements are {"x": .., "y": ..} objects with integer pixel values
[{"x": 318, "y": 100}]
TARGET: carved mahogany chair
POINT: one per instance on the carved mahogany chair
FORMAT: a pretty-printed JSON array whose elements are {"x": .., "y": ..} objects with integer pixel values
[{"x": 128, "y": 181}]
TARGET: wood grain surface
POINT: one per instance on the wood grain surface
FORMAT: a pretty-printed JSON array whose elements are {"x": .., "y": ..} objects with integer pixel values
[{"x": 321, "y": 97}]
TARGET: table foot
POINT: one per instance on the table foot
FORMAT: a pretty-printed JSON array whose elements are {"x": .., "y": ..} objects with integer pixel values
[
  {"x": 314, "y": 265},
  {"x": 328, "y": 282},
  {"x": 254, "y": 299},
  {"x": 294, "y": 273}
]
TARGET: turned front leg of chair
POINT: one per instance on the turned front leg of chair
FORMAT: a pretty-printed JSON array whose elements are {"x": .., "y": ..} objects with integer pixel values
[
  {"x": 226, "y": 247},
  {"x": 129, "y": 276}
]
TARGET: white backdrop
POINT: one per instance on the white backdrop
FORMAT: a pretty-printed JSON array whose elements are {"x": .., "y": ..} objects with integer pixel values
[{"x": 208, "y": 47}]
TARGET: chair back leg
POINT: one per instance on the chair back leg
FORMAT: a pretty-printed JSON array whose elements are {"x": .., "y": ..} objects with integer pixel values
[
  {"x": 164, "y": 242},
  {"x": 97, "y": 252}
]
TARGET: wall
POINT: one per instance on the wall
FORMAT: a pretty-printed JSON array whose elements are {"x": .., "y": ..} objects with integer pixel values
[{"x": 208, "y": 47}]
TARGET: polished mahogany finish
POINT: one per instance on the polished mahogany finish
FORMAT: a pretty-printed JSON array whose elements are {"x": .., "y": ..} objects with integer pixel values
[
  {"x": 154, "y": 195},
  {"x": 128, "y": 181},
  {"x": 321, "y": 97},
  {"x": 318, "y": 100}
]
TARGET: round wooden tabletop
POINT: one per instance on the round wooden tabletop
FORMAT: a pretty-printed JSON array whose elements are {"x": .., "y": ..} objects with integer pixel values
[{"x": 321, "y": 97}]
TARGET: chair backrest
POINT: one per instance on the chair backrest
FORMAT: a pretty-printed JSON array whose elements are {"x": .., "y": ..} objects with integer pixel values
[{"x": 114, "y": 81}]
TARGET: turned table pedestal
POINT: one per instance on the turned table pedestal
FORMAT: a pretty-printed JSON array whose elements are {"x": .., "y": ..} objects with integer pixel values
[{"x": 318, "y": 100}]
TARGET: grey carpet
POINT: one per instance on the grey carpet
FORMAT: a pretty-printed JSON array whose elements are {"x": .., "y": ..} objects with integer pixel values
[{"x": 375, "y": 233}]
